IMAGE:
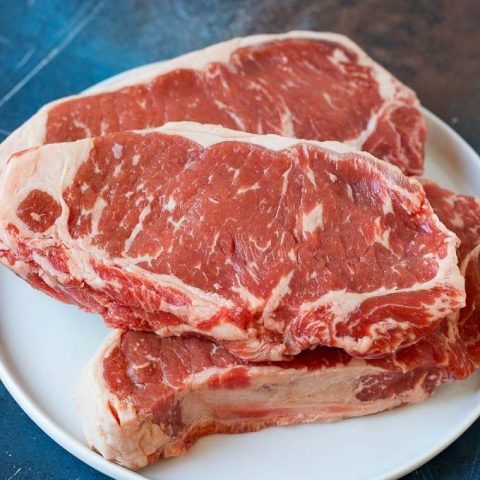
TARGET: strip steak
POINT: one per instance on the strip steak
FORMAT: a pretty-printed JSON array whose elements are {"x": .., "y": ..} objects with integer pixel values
[
  {"x": 318, "y": 86},
  {"x": 144, "y": 397},
  {"x": 267, "y": 244}
]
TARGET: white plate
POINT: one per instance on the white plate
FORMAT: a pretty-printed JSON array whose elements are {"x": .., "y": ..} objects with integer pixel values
[{"x": 44, "y": 346}]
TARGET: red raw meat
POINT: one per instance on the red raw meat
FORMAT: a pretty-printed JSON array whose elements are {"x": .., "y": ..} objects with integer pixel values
[
  {"x": 144, "y": 397},
  {"x": 318, "y": 86},
  {"x": 461, "y": 214},
  {"x": 268, "y": 245}
]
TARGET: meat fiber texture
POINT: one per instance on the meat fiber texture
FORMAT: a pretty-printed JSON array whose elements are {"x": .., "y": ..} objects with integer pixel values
[
  {"x": 143, "y": 397},
  {"x": 311, "y": 85},
  {"x": 265, "y": 244}
]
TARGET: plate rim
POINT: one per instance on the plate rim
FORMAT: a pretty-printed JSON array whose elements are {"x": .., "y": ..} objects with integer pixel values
[{"x": 82, "y": 452}]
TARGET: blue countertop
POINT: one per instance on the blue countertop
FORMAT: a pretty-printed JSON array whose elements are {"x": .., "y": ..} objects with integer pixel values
[{"x": 53, "y": 48}]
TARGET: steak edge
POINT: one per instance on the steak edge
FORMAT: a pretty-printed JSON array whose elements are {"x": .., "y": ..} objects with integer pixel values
[
  {"x": 461, "y": 214},
  {"x": 143, "y": 397}
]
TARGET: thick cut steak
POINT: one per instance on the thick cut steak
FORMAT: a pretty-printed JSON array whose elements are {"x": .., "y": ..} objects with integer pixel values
[
  {"x": 267, "y": 244},
  {"x": 144, "y": 397},
  {"x": 310, "y": 85},
  {"x": 461, "y": 214}
]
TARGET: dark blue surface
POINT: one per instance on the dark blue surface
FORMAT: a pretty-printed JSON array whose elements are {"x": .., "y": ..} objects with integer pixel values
[{"x": 49, "y": 49}]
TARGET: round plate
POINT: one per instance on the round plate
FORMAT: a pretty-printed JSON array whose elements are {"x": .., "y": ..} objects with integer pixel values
[{"x": 45, "y": 344}]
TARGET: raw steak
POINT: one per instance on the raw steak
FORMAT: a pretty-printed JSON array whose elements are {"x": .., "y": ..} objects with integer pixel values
[
  {"x": 469, "y": 316},
  {"x": 144, "y": 397},
  {"x": 268, "y": 245},
  {"x": 311, "y": 85},
  {"x": 461, "y": 214}
]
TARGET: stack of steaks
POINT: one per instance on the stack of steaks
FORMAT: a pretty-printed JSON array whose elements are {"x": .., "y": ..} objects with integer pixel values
[{"x": 247, "y": 219}]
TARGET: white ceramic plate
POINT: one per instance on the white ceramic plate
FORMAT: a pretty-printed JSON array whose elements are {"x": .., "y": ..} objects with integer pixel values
[{"x": 44, "y": 346}]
